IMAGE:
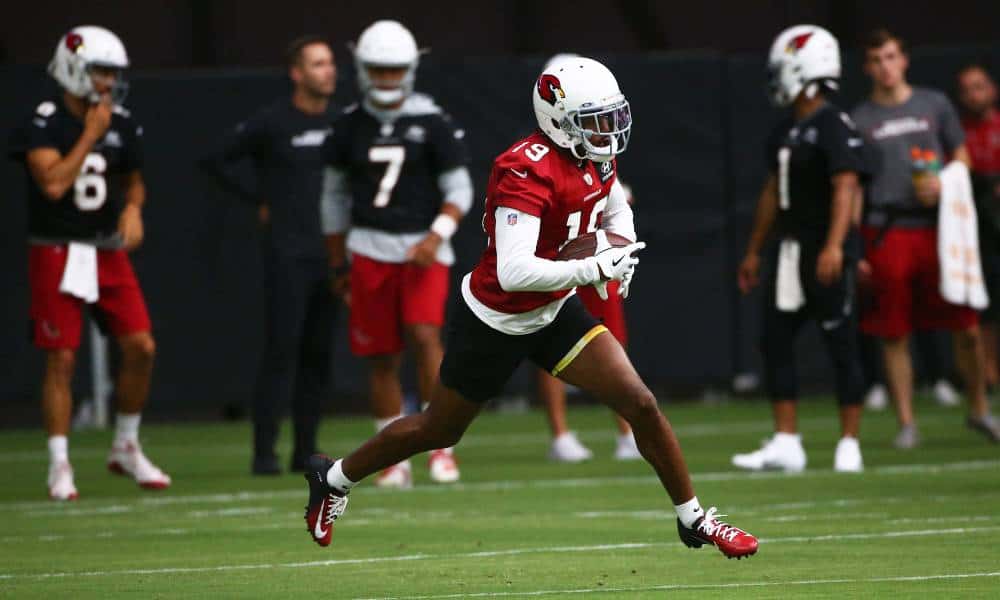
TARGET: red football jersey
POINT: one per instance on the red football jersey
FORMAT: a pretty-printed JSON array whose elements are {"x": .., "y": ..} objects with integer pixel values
[
  {"x": 982, "y": 138},
  {"x": 539, "y": 178}
]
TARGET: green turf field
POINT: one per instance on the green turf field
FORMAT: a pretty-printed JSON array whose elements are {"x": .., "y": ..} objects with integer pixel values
[{"x": 920, "y": 523}]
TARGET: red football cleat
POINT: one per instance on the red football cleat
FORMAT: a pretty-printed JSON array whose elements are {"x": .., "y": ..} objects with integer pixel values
[
  {"x": 731, "y": 541},
  {"x": 325, "y": 504}
]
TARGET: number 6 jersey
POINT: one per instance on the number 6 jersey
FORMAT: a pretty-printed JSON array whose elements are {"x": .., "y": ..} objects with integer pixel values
[{"x": 89, "y": 210}]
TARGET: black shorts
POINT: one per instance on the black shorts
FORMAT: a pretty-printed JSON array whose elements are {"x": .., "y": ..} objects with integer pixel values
[{"x": 479, "y": 360}]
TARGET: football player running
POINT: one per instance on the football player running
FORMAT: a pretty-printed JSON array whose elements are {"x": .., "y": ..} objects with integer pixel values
[
  {"x": 518, "y": 303},
  {"x": 398, "y": 181},
  {"x": 83, "y": 154}
]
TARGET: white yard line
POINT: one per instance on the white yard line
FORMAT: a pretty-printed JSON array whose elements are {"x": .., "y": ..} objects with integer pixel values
[
  {"x": 695, "y": 586},
  {"x": 487, "y": 486},
  {"x": 485, "y": 554}
]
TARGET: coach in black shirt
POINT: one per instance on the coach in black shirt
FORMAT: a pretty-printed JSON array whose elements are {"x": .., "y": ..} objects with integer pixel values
[
  {"x": 811, "y": 198},
  {"x": 283, "y": 141}
]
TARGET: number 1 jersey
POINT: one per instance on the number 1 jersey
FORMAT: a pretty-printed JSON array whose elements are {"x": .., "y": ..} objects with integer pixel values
[
  {"x": 89, "y": 210},
  {"x": 541, "y": 179}
]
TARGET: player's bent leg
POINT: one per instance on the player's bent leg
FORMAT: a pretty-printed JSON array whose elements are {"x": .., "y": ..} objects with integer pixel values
[
  {"x": 57, "y": 409},
  {"x": 440, "y": 426},
  {"x": 126, "y": 456},
  {"x": 603, "y": 369},
  {"x": 425, "y": 340}
]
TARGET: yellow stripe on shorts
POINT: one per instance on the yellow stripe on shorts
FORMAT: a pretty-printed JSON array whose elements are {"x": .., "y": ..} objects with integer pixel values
[{"x": 578, "y": 348}]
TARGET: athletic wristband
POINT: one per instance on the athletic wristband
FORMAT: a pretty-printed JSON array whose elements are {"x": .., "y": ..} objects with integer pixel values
[{"x": 445, "y": 226}]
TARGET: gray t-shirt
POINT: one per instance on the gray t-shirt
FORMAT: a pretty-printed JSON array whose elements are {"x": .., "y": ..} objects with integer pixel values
[{"x": 928, "y": 122}]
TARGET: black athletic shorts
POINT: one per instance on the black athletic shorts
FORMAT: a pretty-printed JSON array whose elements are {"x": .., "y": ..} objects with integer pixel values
[{"x": 479, "y": 360}]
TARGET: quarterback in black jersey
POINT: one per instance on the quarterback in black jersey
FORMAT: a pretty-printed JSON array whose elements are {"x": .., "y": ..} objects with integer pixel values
[
  {"x": 83, "y": 153},
  {"x": 812, "y": 199},
  {"x": 284, "y": 141},
  {"x": 396, "y": 187}
]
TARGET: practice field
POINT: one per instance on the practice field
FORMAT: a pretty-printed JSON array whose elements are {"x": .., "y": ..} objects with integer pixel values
[{"x": 919, "y": 523}]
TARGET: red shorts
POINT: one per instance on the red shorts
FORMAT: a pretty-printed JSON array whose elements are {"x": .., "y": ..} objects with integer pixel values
[
  {"x": 56, "y": 317},
  {"x": 387, "y": 296},
  {"x": 611, "y": 312},
  {"x": 905, "y": 286}
]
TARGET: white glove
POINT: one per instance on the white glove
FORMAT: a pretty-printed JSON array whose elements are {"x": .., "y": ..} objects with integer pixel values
[
  {"x": 614, "y": 264},
  {"x": 625, "y": 284}
]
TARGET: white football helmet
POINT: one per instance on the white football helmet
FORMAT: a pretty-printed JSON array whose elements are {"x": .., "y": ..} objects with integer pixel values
[
  {"x": 80, "y": 50},
  {"x": 803, "y": 57},
  {"x": 577, "y": 98},
  {"x": 386, "y": 44}
]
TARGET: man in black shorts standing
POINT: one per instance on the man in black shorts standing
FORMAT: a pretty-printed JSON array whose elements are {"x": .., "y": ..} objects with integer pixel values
[
  {"x": 284, "y": 140},
  {"x": 812, "y": 195}
]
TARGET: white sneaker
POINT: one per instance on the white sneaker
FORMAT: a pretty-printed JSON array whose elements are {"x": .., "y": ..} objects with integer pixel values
[
  {"x": 783, "y": 452},
  {"x": 443, "y": 466},
  {"x": 847, "y": 458},
  {"x": 398, "y": 476},
  {"x": 61, "y": 486},
  {"x": 877, "y": 398},
  {"x": 126, "y": 458},
  {"x": 945, "y": 394},
  {"x": 567, "y": 448},
  {"x": 626, "y": 448}
]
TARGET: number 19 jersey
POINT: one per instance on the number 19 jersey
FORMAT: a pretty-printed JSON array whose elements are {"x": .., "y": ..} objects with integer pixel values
[
  {"x": 568, "y": 195},
  {"x": 89, "y": 210}
]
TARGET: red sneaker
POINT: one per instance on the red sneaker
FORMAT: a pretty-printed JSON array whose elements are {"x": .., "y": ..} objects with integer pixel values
[
  {"x": 731, "y": 541},
  {"x": 325, "y": 504}
]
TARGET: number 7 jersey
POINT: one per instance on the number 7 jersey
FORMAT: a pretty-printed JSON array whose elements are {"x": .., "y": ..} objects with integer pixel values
[
  {"x": 541, "y": 179},
  {"x": 89, "y": 210}
]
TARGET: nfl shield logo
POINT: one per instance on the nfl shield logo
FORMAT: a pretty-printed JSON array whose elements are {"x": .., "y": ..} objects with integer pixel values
[{"x": 512, "y": 219}]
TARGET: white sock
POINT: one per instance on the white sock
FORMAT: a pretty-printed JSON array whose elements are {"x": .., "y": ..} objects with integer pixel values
[
  {"x": 689, "y": 512},
  {"x": 381, "y": 424},
  {"x": 788, "y": 438},
  {"x": 336, "y": 479},
  {"x": 58, "y": 449},
  {"x": 127, "y": 428}
]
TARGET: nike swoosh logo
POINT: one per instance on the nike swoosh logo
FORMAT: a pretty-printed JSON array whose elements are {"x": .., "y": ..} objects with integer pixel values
[
  {"x": 614, "y": 263},
  {"x": 520, "y": 174},
  {"x": 592, "y": 194},
  {"x": 318, "y": 530}
]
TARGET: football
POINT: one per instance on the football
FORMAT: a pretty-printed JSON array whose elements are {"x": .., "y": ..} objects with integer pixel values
[{"x": 586, "y": 245}]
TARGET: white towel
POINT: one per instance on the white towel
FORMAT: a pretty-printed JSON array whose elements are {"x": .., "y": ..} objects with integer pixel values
[
  {"x": 79, "y": 278},
  {"x": 958, "y": 240},
  {"x": 789, "y": 294}
]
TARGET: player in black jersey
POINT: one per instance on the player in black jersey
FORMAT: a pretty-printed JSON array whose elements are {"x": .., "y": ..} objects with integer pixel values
[
  {"x": 812, "y": 198},
  {"x": 398, "y": 179},
  {"x": 83, "y": 154},
  {"x": 284, "y": 141}
]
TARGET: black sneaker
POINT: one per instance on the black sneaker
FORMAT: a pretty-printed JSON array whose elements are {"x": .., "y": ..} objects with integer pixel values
[
  {"x": 325, "y": 504},
  {"x": 265, "y": 465}
]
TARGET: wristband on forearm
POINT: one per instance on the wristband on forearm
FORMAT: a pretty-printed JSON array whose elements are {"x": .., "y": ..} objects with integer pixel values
[{"x": 445, "y": 226}]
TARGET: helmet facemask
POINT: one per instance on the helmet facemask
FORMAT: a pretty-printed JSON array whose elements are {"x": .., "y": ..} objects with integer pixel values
[
  {"x": 386, "y": 97},
  {"x": 119, "y": 87},
  {"x": 611, "y": 124}
]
